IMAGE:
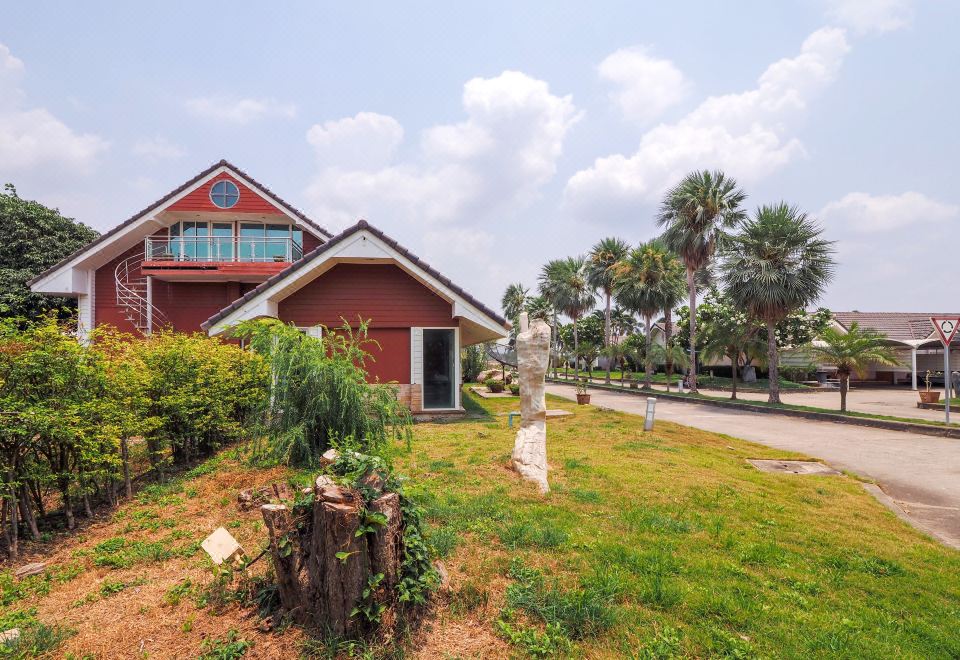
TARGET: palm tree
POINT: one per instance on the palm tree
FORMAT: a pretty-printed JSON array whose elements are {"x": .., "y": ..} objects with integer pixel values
[
  {"x": 777, "y": 264},
  {"x": 602, "y": 263},
  {"x": 564, "y": 282},
  {"x": 695, "y": 215},
  {"x": 852, "y": 352},
  {"x": 731, "y": 338},
  {"x": 650, "y": 280},
  {"x": 622, "y": 323},
  {"x": 514, "y": 300}
]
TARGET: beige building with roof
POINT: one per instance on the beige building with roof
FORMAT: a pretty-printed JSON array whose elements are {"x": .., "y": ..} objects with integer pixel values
[{"x": 918, "y": 346}]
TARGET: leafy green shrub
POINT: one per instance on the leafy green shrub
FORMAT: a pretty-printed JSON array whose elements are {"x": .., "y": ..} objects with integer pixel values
[
  {"x": 514, "y": 389},
  {"x": 320, "y": 393},
  {"x": 495, "y": 386},
  {"x": 472, "y": 361},
  {"x": 201, "y": 391}
]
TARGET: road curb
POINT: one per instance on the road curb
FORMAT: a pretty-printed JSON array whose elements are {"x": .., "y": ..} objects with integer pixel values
[{"x": 890, "y": 425}]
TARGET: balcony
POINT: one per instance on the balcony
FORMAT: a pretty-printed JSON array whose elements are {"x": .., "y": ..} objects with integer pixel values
[{"x": 245, "y": 258}]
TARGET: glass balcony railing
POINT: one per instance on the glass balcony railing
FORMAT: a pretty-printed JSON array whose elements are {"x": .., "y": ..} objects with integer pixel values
[{"x": 222, "y": 249}]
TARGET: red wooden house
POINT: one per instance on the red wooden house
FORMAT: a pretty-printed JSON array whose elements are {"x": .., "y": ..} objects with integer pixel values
[{"x": 222, "y": 248}]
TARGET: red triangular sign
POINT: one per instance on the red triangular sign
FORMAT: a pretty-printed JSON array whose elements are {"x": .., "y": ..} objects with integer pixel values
[{"x": 946, "y": 327}]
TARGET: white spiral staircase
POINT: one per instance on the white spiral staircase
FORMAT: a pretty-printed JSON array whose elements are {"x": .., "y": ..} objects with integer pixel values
[{"x": 132, "y": 295}]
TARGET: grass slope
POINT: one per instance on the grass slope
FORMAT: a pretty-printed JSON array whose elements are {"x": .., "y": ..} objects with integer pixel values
[
  {"x": 670, "y": 543},
  {"x": 658, "y": 544}
]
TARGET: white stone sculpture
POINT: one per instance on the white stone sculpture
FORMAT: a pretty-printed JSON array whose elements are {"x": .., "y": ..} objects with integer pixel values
[{"x": 530, "y": 446}]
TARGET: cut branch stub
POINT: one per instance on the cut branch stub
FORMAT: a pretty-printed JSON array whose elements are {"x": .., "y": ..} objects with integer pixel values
[{"x": 283, "y": 550}]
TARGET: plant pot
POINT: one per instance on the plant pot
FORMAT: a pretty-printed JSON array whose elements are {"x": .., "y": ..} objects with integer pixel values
[
  {"x": 583, "y": 399},
  {"x": 634, "y": 385},
  {"x": 929, "y": 397}
]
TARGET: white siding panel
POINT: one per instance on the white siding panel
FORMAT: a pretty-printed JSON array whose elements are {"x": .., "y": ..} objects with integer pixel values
[{"x": 416, "y": 355}]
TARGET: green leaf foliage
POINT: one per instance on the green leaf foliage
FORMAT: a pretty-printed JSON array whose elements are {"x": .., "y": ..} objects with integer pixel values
[
  {"x": 32, "y": 239},
  {"x": 320, "y": 393}
]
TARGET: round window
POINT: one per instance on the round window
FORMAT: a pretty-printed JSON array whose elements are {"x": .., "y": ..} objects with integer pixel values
[{"x": 224, "y": 194}]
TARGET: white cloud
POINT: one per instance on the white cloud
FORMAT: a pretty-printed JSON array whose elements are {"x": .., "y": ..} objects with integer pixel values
[
  {"x": 496, "y": 159},
  {"x": 366, "y": 140},
  {"x": 240, "y": 111},
  {"x": 158, "y": 148},
  {"x": 33, "y": 139},
  {"x": 864, "y": 213},
  {"x": 747, "y": 134},
  {"x": 647, "y": 86},
  {"x": 871, "y": 16}
]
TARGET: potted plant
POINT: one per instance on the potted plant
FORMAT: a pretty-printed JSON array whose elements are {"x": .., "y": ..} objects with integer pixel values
[
  {"x": 929, "y": 396},
  {"x": 583, "y": 398},
  {"x": 494, "y": 386},
  {"x": 515, "y": 389},
  {"x": 632, "y": 379}
]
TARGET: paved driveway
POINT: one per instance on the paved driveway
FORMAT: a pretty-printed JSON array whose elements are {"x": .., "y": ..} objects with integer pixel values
[{"x": 920, "y": 473}]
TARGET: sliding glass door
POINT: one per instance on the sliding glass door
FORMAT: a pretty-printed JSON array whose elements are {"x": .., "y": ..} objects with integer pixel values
[{"x": 439, "y": 368}]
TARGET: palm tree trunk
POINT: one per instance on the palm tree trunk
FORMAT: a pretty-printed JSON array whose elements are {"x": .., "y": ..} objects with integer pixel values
[
  {"x": 667, "y": 333},
  {"x": 556, "y": 345},
  {"x": 692, "y": 290},
  {"x": 844, "y": 385},
  {"x": 576, "y": 353},
  {"x": 734, "y": 359},
  {"x": 647, "y": 361},
  {"x": 773, "y": 370},
  {"x": 606, "y": 333}
]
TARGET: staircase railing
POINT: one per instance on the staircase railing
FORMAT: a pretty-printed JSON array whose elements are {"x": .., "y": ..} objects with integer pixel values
[{"x": 131, "y": 288}]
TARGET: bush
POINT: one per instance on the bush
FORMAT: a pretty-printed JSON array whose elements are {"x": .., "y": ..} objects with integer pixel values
[
  {"x": 472, "y": 360},
  {"x": 201, "y": 394},
  {"x": 495, "y": 386},
  {"x": 514, "y": 389},
  {"x": 320, "y": 394},
  {"x": 69, "y": 408}
]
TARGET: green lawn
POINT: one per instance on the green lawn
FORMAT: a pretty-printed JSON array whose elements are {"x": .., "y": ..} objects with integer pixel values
[
  {"x": 703, "y": 380},
  {"x": 669, "y": 544}
]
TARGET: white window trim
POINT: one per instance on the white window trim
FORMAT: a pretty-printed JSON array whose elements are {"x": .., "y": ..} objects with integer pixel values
[{"x": 417, "y": 369}]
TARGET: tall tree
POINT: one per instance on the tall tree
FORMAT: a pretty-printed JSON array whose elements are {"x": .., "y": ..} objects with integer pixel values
[
  {"x": 514, "y": 300},
  {"x": 852, "y": 352},
  {"x": 32, "y": 239},
  {"x": 602, "y": 264},
  {"x": 564, "y": 282},
  {"x": 778, "y": 263},
  {"x": 650, "y": 280},
  {"x": 695, "y": 217}
]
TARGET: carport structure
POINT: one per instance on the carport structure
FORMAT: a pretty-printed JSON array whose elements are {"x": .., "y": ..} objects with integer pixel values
[{"x": 912, "y": 334}]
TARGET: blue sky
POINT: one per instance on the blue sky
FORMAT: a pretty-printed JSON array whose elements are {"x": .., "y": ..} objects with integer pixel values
[{"x": 490, "y": 139}]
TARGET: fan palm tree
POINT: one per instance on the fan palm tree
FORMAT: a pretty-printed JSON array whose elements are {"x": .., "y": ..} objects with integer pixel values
[
  {"x": 622, "y": 323},
  {"x": 514, "y": 300},
  {"x": 778, "y": 263},
  {"x": 695, "y": 216},
  {"x": 650, "y": 280},
  {"x": 564, "y": 282},
  {"x": 852, "y": 352},
  {"x": 602, "y": 263}
]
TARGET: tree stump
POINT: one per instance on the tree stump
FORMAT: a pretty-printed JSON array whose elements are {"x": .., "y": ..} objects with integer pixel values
[{"x": 323, "y": 560}]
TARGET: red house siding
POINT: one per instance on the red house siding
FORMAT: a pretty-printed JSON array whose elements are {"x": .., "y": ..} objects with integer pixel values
[
  {"x": 249, "y": 202},
  {"x": 186, "y": 304},
  {"x": 391, "y": 300}
]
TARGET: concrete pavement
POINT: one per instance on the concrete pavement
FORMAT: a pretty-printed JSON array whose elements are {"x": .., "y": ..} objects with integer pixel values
[{"x": 920, "y": 473}]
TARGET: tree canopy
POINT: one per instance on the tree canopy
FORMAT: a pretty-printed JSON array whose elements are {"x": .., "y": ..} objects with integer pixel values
[{"x": 32, "y": 239}]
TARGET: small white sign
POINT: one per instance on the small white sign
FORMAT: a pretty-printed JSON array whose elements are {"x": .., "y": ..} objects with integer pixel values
[{"x": 221, "y": 546}]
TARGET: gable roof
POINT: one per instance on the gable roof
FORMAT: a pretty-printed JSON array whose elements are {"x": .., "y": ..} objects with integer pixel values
[
  {"x": 328, "y": 247},
  {"x": 913, "y": 327},
  {"x": 105, "y": 237}
]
